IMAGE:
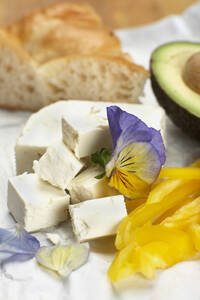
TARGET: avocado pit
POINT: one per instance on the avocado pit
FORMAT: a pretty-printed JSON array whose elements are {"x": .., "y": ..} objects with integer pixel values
[{"x": 191, "y": 72}]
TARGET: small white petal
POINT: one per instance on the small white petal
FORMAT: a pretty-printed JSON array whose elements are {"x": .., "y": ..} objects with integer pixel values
[{"x": 62, "y": 259}]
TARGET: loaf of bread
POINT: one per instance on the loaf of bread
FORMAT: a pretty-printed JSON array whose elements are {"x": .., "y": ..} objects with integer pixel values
[{"x": 64, "y": 52}]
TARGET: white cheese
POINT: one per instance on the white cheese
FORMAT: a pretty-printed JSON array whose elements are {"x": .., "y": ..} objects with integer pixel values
[
  {"x": 86, "y": 131},
  {"x": 85, "y": 186},
  {"x": 85, "y": 126},
  {"x": 36, "y": 204},
  {"x": 97, "y": 218},
  {"x": 58, "y": 165},
  {"x": 42, "y": 129}
]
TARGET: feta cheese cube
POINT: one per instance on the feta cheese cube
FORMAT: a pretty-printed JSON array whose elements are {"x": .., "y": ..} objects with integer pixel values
[
  {"x": 85, "y": 186},
  {"x": 36, "y": 204},
  {"x": 97, "y": 218},
  {"x": 85, "y": 126},
  {"x": 42, "y": 129},
  {"x": 58, "y": 165},
  {"x": 86, "y": 133}
]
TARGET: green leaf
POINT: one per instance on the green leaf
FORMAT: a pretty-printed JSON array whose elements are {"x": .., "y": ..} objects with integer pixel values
[
  {"x": 101, "y": 158},
  {"x": 100, "y": 176}
]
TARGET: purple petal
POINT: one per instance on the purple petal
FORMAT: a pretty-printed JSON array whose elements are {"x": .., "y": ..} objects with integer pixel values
[
  {"x": 16, "y": 244},
  {"x": 126, "y": 128},
  {"x": 119, "y": 120},
  {"x": 157, "y": 143},
  {"x": 127, "y": 137}
]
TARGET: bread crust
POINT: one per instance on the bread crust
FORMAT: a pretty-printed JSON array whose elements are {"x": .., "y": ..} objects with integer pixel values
[
  {"x": 9, "y": 40},
  {"x": 64, "y": 29}
]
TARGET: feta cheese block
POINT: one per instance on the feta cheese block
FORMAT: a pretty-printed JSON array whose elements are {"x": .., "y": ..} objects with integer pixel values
[
  {"x": 42, "y": 129},
  {"x": 86, "y": 187},
  {"x": 58, "y": 165},
  {"x": 97, "y": 218},
  {"x": 85, "y": 126},
  {"x": 35, "y": 204}
]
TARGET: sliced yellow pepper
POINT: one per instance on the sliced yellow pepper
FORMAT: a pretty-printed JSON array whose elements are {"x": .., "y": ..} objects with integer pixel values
[
  {"x": 194, "y": 231},
  {"x": 152, "y": 247},
  {"x": 185, "y": 215},
  {"x": 189, "y": 173},
  {"x": 172, "y": 210},
  {"x": 150, "y": 211},
  {"x": 163, "y": 189},
  {"x": 164, "y": 229}
]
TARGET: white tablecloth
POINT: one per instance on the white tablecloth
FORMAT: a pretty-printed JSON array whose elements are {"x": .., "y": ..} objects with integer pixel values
[{"x": 182, "y": 281}]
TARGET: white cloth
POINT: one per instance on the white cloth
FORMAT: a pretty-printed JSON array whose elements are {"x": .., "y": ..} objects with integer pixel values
[{"x": 90, "y": 281}]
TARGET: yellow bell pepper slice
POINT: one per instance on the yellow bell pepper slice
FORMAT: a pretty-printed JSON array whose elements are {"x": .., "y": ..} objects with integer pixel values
[
  {"x": 188, "y": 173},
  {"x": 121, "y": 267},
  {"x": 185, "y": 215},
  {"x": 156, "y": 195},
  {"x": 172, "y": 210},
  {"x": 149, "y": 212},
  {"x": 194, "y": 231},
  {"x": 152, "y": 247},
  {"x": 163, "y": 189},
  {"x": 153, "y": 256}
]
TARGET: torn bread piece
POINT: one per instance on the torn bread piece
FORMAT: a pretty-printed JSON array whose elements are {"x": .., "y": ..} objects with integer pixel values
[
  {"x": 86, "y": 187},
  {"x": 96, "y": 77},
  {"x": 75, "y": 57},
  {"x": 58, "y": 165},
  {"x": 20, "y": 83},
  {"x": 64, "y": 29},
  {"x": 85, "y": 127},
  {"x": 97, "y": 218},
  {"x": 36, "y": 204}
]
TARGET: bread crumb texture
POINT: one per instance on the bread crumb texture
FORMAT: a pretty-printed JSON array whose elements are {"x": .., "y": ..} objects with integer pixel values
[{"x": 64, "y": 52}]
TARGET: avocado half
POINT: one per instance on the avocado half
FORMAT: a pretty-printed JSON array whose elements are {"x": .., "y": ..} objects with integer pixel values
[{"x": 182, "y": 104}]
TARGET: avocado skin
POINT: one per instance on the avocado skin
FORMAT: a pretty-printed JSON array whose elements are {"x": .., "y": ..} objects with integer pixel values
[{"x": 189, "y": 123}]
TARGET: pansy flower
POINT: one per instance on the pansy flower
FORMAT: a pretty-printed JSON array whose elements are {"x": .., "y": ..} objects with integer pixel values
[
  {"x": 16, "y": 244},
  {"x": 138, "y": 154}
]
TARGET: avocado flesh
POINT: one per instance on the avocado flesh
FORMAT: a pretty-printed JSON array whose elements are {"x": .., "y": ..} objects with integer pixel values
[{"x": 180, "y": 102}]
